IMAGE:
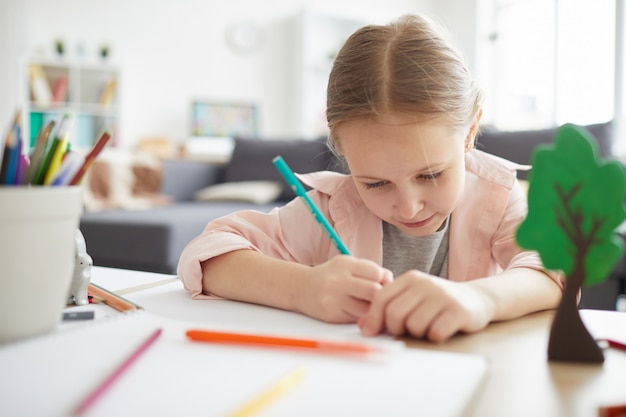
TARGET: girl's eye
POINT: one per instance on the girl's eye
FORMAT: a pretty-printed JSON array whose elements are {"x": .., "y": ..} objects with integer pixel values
[
  {"x": 431, "y": 176},
  {"x": 373, "y": 185}
]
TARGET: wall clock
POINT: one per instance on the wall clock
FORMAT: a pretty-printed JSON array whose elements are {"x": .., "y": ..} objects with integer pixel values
[{"x": 244, "y": 37}]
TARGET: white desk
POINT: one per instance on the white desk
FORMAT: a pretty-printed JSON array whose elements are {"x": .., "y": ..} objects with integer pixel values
[
  {"x": 522, "y": 382},
  {"x": 49, "y": 375},
  {"x": 519, "y": 380}
]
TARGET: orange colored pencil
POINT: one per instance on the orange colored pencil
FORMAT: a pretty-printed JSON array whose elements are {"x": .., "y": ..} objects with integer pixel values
[
  {"x": 279, "y": 342},
  {"x": 91, "y": 156}
]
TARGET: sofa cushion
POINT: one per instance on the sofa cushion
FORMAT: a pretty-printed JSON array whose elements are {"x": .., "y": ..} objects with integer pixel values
[
  {"x": 257, "y": 192},
  {"x": 182, "y": 177},
  {"x": 124, "y": 179},
  {"x": 252, "y": 160},
  {"x": 518, "y": 146}
]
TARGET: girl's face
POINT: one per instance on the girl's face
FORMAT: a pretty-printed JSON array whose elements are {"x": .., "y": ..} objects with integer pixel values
[{"x": 410, "y": 174}]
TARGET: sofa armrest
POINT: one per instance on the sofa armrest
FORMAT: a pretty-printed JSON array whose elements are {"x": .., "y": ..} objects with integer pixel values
[{"x": 182, "y": 178}]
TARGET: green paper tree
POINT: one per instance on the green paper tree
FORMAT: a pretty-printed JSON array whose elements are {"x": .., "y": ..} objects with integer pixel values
[{"x": 575, "y": 204}]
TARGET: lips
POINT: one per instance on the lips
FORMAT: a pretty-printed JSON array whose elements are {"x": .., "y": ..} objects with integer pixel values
[{"x": 415, "y": 225}]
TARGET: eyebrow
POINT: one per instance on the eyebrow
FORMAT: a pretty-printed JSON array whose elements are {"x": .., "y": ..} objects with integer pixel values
[{"x": 430, "y": 169}]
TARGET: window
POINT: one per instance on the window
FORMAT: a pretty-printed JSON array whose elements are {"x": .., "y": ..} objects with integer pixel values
[{"x": 548, "y": 62}]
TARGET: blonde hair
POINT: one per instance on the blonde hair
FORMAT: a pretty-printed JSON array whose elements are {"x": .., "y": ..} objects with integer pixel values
[{"x": 408, "y": 66}]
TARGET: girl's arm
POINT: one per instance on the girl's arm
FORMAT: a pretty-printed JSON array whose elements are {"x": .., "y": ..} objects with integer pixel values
[
  {"x": 429, "y": 307},
  {"x": 339, "y": 290},
  {"x": 517, "y": 292}
]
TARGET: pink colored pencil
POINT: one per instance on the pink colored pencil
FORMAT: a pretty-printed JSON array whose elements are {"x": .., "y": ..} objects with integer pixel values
[
  {"x": 91, "y": 156},
  {"x": 97, "y": 393}
]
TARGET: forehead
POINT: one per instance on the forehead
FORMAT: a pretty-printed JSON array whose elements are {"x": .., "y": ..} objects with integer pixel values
[
  {"x": 392, "y": 128},
  {"x": 398, "y": 143},
  {"x": 394, "y": 118}
]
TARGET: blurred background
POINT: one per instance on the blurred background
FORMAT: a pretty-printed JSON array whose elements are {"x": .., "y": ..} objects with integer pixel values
[{"x": 159, "y": 69}]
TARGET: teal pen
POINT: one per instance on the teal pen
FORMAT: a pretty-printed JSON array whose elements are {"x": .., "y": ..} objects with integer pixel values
[{"x": 297, "y": 187}]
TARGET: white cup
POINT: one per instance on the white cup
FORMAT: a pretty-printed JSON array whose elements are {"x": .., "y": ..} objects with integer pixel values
[{"x": 37, "y": 251}]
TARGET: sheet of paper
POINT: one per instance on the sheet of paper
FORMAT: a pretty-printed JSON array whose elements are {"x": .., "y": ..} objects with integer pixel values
[
  {"x": 114, "y": 279},
  {"x": 50, "y": 375}
]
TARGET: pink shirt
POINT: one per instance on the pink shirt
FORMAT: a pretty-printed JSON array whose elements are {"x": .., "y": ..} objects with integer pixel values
[{"x": 482, "y": 227}]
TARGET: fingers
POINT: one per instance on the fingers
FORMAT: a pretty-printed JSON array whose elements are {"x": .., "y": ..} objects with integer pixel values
[
  {"x": 387, "y": 277},
  {"x": 340, "y": 290},
  {"x": 415, "y": 304},
  {"x": 444, "y": 327},
  {"x": 362, "y": 289},
  {"x": 418, "y": 321},
  {"x": 354, "y": 304},
  {"x": 354, "y": 308},
  {"x": 365, "y": 269},
  {"x": 389, "y": 298},
  {"x": 360, "y": 293}
]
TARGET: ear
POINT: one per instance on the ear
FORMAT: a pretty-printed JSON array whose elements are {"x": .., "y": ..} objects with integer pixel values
[{"x": 473, "y": 131}]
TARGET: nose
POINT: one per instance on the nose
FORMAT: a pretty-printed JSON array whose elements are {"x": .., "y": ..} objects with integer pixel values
[{"x": 408, "y": 203}]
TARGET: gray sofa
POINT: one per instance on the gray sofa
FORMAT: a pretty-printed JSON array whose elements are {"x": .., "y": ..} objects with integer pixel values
[{"x": 152, "y": 240}]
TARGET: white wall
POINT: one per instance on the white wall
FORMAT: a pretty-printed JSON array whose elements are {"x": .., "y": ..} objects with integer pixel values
[
  {"x": 173, "y": 51},
  {"x": 460, "y": 18}
]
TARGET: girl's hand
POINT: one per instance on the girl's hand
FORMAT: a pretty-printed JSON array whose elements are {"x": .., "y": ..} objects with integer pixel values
[
  {"x": 425, "y": 306},
  {"x": 340, "y": 290}
]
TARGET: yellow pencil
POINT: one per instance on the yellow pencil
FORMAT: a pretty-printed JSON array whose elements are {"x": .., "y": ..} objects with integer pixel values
[
  {"x": 281, "y": 386},
  {"x": 44, "y": 168},
  {"x": 57, "y": 157}
]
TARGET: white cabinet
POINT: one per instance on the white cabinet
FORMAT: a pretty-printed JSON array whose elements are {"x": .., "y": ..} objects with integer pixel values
[
  {"x": 319, "y": 37},
  {"x": 88, "y": 94}
]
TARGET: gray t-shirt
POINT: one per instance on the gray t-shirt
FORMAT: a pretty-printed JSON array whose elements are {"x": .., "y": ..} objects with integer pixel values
[{"x": 402, "y": 252}]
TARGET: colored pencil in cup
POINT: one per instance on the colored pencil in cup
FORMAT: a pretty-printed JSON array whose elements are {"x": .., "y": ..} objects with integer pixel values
[
  {"x": 7, "y": 173},
  {"x": 91, "y": 156},
  {"x": 16, "y": 158},
  {"x": 22, "y": 166},
  {"x": 11, "y": 152},
  {"x": 69, "y": 167},
  {"x": 57, "y": 158},
  {"x": 37, "y": 155},
  {"x": 52, "y": 149}
]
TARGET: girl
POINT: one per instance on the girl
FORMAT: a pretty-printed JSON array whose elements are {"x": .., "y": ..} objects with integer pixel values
[{"x": 430, "y": 221}]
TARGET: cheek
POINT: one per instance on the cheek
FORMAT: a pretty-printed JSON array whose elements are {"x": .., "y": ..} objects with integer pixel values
[
  {"x": 375, "y": 202},
  {"x": 454, "y": 189},
  {"x": 444, "y": 196}
]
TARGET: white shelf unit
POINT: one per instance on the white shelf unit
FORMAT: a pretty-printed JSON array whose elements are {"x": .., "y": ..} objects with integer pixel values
[
  {"x": 318, "y": 37},
  {"x": 90, "y": 99}
]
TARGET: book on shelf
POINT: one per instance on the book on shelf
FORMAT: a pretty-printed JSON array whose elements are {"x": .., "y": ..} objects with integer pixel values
[
  {"x": 59, "y": 91},
  {"x": 108, "y": 92},
  {"x": 85, "y": 132},
  {"x": 39, "y": 120},
  {"x": 40, "y": 87}
]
